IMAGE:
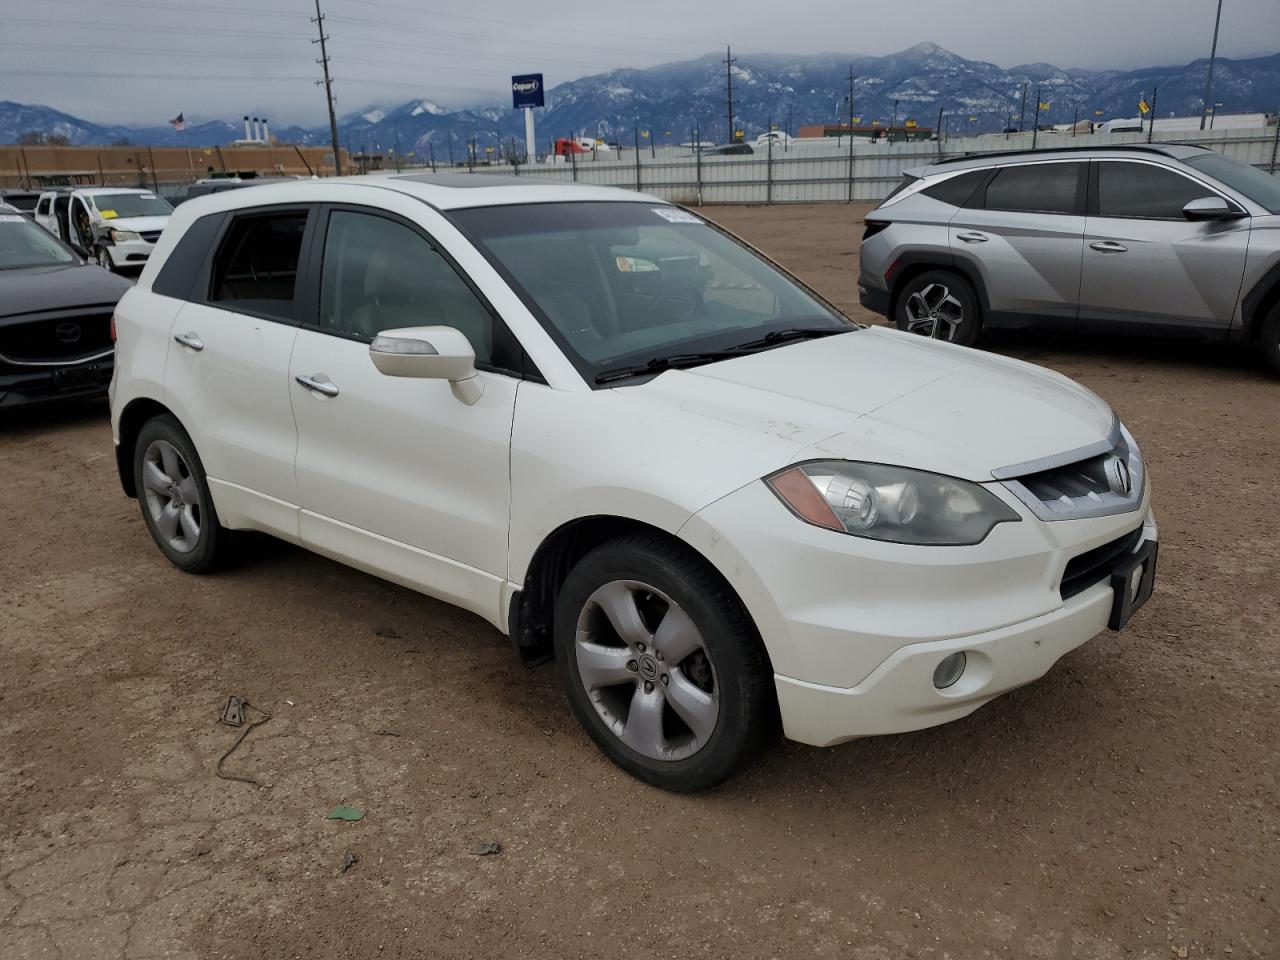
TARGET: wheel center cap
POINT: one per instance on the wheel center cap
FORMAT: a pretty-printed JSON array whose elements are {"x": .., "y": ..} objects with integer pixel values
[{"x": 648, "y": 667}]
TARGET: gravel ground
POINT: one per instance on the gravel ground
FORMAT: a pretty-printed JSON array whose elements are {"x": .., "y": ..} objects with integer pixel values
[{"x": 1124, "y": 806}]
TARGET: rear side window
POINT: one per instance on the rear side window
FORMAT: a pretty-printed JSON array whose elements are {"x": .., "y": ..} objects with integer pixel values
[
  {"x": 1036, "y": 188},
  {"x": 42, "y": 207},
  {"x": 905, "y": 182},
  {"x": 256, "y": 267},
  {"x": 958, "y": 189},
  {"x": 177, "y": 276},
  {"x": 1145, "y": 191}
]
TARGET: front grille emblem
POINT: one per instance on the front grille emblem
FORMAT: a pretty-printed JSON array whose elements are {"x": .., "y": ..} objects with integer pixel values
[
  {"x": 1118, "y": 477},
  {"x": 67, "y": 332}
]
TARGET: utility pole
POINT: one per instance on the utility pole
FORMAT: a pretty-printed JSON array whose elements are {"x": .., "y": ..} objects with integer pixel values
[
  {"x": 1022, "y": 113},
  {"x": 937, "y": 132},
  {"x": 894, "y": 122},
  {"x": 397, "y": 150},
  {"x": 1035, "y": 120},
  {"x": 328, "y": 88},
  {"x": 1213, "y": 54},
  {"x": 1151, "y": 130},
  {"x": 729, "y": 61},
  {"x": 851, "y": 79}
]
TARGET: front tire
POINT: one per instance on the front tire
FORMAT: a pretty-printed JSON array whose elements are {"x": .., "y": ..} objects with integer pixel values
[
  {"x": 104, "y": 260},
  {"x": 663, "y": 666},
  {"x": 174, "y": 496},
  {"x": 939, "y": 304},
  {"x": 1271, "y": 340}
]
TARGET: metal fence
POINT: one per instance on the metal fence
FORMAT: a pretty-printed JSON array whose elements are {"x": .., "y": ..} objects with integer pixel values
[{"x": 832, "y": 169}]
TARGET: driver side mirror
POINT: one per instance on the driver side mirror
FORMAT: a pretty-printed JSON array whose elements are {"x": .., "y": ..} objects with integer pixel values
[
  {"x": 429, "y": 353},
  {"x": 1211, "y": 208}
]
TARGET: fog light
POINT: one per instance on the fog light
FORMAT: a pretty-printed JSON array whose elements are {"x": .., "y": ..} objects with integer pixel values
[
  {"x": 948, "y": 670},
  {"x": 1135, "y": 582}
]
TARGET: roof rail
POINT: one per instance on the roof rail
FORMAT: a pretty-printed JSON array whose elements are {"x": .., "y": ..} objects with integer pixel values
[{"x": 1160, "y": 148}]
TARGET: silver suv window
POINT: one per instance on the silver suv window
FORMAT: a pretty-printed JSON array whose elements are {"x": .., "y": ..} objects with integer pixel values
[
  {"x": 1144, "y": 191},
  {"x": 1036, "y": 188}
]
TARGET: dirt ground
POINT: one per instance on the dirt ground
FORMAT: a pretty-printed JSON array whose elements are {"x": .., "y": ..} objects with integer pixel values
[{"x": 1124, "y": 806}]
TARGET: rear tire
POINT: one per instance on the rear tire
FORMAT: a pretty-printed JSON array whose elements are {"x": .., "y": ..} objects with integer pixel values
[
  {"x": 939, "y": 304},
  {"x": 174, "y": 497},
  {"x": 705, "y": 706},
  {"x": 1271, "y": 340}
]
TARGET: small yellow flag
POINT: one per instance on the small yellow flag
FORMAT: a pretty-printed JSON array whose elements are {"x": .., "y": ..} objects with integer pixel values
[
  {"x": 1044, "y": 104},
  {"x": 1143, "y": 106},
  {"x": 973, "y": 119},
  {"x": 911, "y": 124},
  {"x": 856, "y": 119}
]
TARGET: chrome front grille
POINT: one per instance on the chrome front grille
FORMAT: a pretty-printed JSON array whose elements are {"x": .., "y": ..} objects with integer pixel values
[{"x": 1098, "y": 481}]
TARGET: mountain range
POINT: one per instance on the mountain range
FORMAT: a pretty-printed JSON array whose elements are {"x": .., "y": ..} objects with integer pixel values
[{"x": 788, "y": 91}]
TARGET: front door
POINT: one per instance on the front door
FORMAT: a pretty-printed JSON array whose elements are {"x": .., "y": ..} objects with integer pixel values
[
  {"x": 227, "y": 372},
  {"x": 1022, "y": 233},
  {"x": 81, "y": 223},
  {"x": 1146, "y": 265},
  {"x": 400, "y": 476}
]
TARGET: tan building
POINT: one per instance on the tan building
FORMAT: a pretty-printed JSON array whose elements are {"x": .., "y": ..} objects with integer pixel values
[{"x": 150, "y": 166}]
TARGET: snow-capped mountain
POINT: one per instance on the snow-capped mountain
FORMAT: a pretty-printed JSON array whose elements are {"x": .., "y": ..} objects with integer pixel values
[{"x": 974, "y": 96}]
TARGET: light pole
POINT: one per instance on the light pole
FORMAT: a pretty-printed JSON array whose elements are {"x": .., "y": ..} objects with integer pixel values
[
  {"x": 894, "y": 122},
  {"x": 1213, "y": 53}
]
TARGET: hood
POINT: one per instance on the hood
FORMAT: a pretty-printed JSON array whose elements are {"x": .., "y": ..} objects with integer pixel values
[
  {"x": 37, "y": 289},
  {"x": 889, "y": 397},
  {"x": 137, "y": 224}
]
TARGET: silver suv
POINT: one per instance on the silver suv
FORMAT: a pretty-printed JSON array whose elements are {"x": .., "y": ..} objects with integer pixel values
[{"x": 1152, "y": 239}]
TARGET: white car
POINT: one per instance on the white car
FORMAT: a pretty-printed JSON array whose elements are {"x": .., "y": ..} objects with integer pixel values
[
  {"x": 624, "y": 437},
  {"x": 116, "y": 226}
]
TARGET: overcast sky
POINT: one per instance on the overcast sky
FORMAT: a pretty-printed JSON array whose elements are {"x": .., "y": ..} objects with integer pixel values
[{"x": 143, "y": 61}]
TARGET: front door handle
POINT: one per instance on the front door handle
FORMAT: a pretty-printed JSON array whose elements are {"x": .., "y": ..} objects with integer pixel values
[
  {"x": 972, "y": 237},
  {"x": 319, "y": 384},
  {"x": 191, "y": 341},
  {"x": 1108, "y": 246}
]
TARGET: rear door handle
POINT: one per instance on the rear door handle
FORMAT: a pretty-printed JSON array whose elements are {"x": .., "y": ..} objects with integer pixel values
[
  {"x": 1108, "y": 246},
  {"x": 325, "y": 386},
  {"x": 190, "y": 340},
  {"x": 971, "y": 237}
]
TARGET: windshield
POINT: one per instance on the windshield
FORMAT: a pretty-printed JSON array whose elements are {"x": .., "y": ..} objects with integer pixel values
[
  {"x": 1261, "y": 188},
  {"x": 114, "y": 206},
  {"x": 622, "y": 283},
  {"x": 23, "y": 244}
]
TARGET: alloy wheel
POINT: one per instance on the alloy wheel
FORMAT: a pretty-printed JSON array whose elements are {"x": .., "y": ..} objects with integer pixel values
[
  {"x": 646, "y": 669},
  {"x": 172, "y": 496},
  {"x": 934, "y": 311}
]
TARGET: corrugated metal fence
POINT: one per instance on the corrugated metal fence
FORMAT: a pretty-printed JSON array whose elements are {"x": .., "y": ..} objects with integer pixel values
[{"x": 828, "y": 170}]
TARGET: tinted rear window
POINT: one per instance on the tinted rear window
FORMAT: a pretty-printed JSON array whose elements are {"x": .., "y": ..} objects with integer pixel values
[
  {"x": 958, "y": 189},
  {"x": 178, "y": 274},
  {"x": 1036, "y": 188}
]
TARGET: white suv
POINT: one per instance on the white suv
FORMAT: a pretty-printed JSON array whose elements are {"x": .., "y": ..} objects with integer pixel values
[{"x": 629, "y": 441}]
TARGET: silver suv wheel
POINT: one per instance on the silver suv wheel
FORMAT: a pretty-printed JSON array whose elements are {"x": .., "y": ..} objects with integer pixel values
[
  {"x": 646, "y": 670},
  {"x": 934, "y": 312},
  {"x": 172, "y": 496}
]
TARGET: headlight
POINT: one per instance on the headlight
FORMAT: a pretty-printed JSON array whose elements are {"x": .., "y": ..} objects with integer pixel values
[
  {"x": 894, "y": 504},
  {"x": 120, "y": 236}
]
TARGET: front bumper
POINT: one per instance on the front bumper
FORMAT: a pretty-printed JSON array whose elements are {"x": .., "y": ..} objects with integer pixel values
[
  {"x": 131, "y": 254},
  {"x": 21, "y": 386},
  {"x": 873, "y": 298},
  {"x": 855, "y": 628}
]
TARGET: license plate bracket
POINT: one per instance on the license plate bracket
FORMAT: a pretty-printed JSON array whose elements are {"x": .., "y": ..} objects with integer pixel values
[{"x": 1137, "y": 568}]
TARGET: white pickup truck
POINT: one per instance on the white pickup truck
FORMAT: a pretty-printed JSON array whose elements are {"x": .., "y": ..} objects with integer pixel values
[{"x": 117, "y": 226}]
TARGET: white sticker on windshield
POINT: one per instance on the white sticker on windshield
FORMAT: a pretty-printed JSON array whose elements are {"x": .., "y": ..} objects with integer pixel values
[
  {"x": 676, "y": 215},
  {"x": 146, "y": 196},
  {"x": 11, "y": 218}
]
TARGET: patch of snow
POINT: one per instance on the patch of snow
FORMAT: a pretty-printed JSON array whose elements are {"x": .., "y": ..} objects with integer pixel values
[
  {"x": 426, "y": 106},
  {"x": 373, "y": 116}
]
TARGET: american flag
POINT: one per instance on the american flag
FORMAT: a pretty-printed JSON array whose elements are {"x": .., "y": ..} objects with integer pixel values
[{"x": 178, "y": 123}]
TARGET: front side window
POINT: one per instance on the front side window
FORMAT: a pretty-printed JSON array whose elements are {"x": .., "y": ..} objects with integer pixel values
[
  {"x": 1145, "y": 191},
  {"x": 256, "y": 268},
  {"x": 1036, "y": 188},
  {"x": 619, "y": 283},
  {"x": 379, "y": 274},
  {"x": 23, "y": 244}
]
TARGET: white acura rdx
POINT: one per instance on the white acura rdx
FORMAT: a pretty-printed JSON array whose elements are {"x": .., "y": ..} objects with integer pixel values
[{"x": 630, "y": 441}]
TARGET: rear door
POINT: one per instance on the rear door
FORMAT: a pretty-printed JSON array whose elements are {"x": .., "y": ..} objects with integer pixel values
[
  {"x": 1148, "y": 268},
  {"x": 1022, "y": 232},
  {"x": 227, "y": 373}
]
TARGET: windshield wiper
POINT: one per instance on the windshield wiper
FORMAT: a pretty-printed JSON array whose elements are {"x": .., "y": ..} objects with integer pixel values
[
  {"x": 658, "y": 364},
  {"x": 776, "y": 337}
]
